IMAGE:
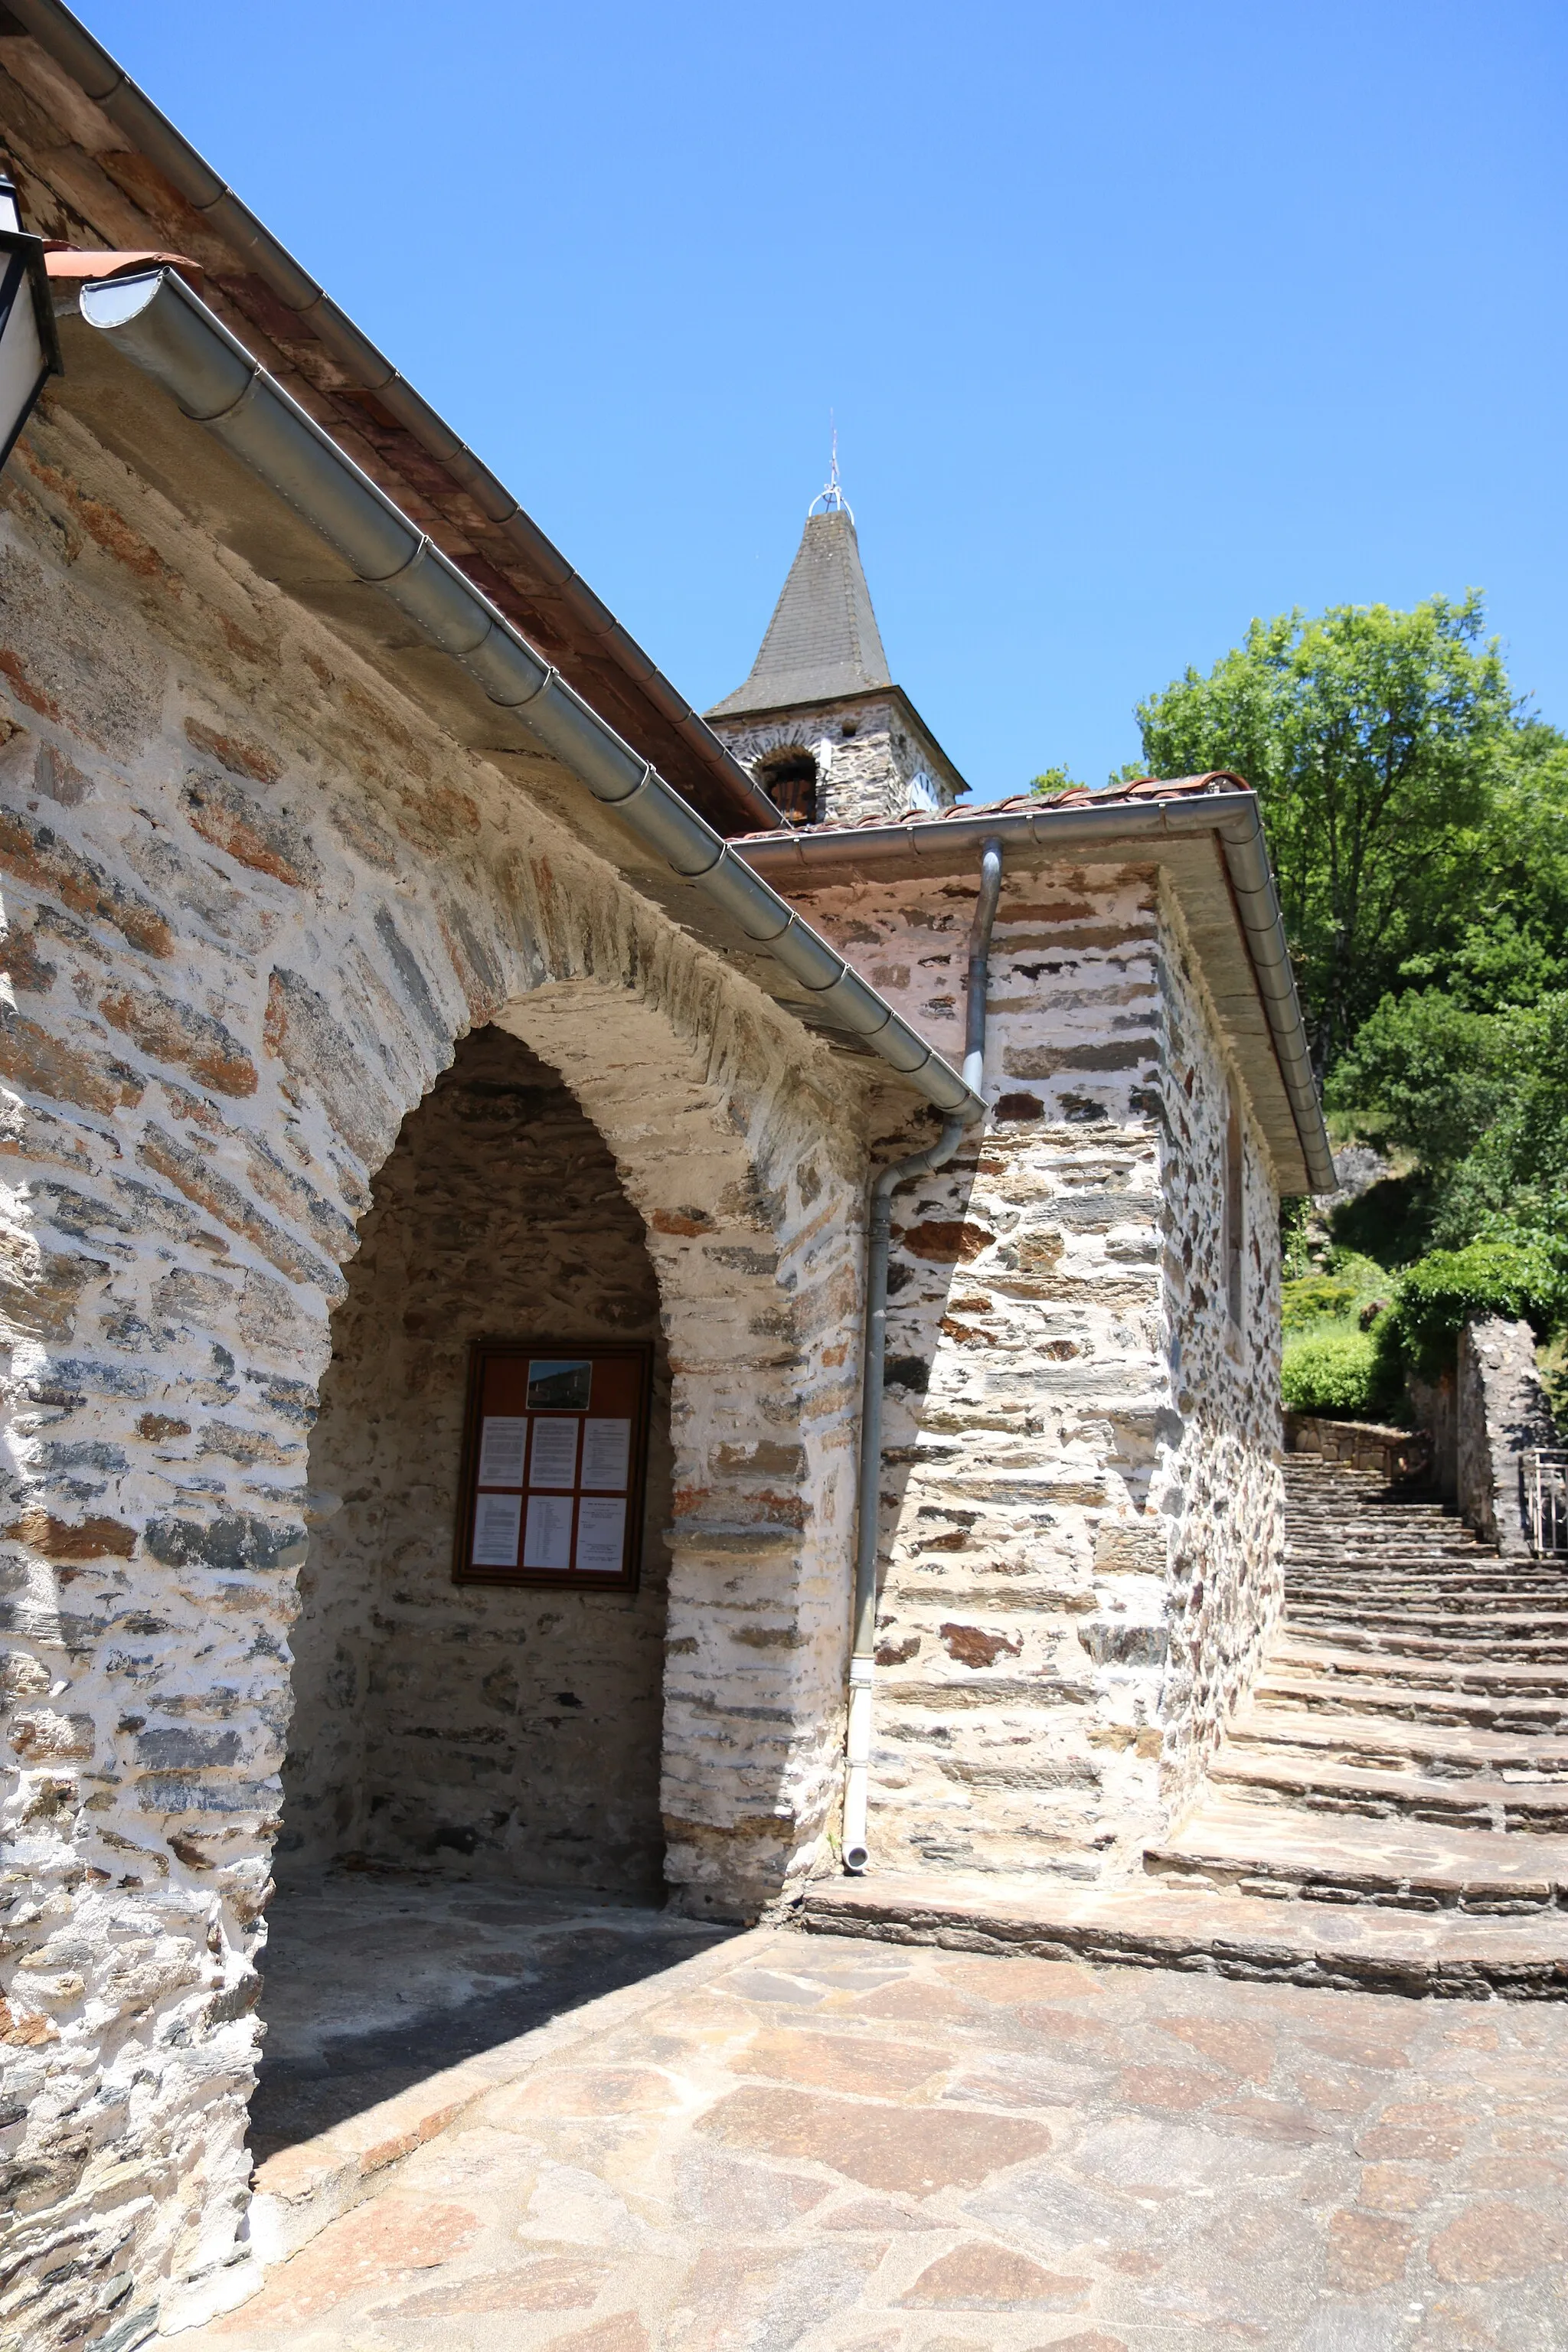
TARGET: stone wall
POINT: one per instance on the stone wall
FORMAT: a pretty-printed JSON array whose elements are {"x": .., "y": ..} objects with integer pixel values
[
  {"x": 1219, "y": 1484},
  {"x": 512, "y": 1731},
  {"x": 1394, "y": 1454},
  {"x": 1500, "y": 1411},
  {"x": 1081, "y": 1515},
  {"x": 868, "y": 757},
  {"x": 253, "y": 897}
]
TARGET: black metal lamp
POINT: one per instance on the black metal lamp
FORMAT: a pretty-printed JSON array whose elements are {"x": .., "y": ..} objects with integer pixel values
[{"x": 29, "y": 347}]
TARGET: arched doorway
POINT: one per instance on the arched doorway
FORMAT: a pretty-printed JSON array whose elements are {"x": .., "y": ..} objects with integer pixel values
[
  {"x": 471, "y": 1836},
  {"x": 512, "y": 1732}
]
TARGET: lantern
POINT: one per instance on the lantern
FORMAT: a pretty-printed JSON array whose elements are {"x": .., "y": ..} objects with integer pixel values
[{"x": 29, "y": 347}]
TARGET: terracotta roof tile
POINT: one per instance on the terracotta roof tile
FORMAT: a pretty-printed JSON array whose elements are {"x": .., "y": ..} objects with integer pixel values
[{"x": 1141, "y": 790}]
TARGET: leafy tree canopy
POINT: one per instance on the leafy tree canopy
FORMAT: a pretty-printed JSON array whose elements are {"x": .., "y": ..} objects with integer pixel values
[
  {"x": 1417, "y": 814},
  {"x": 1383, "y": 747}
]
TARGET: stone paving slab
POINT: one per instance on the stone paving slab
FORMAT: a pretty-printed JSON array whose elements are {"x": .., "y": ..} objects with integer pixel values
[{"x": 842, "y": 2146}]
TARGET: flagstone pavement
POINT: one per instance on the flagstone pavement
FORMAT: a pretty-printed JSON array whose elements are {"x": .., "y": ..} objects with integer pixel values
[{"x": 852, "y": 2147}]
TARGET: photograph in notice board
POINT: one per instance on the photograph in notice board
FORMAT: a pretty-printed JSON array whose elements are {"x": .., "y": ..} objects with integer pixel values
[
  {"x": 555, "y": 1464},
  {"x": 560, "y": 1387}
]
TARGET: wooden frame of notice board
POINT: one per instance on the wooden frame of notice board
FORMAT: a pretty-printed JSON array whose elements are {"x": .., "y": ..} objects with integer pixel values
[{"x": 554, "y": 1464}]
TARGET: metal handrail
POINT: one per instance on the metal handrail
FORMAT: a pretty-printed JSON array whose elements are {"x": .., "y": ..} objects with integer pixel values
[{"x": 1544, "y": 1470}]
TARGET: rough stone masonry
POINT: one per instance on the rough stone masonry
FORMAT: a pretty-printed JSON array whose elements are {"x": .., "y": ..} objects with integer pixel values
[
  {"x": 254, "y": 898},
  {"x": 1082, "y": 1516}
]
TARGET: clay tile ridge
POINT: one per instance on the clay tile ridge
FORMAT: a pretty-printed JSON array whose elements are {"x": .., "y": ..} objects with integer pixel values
[
  {"x": 1077, "y": 796},
  {"x": 74, "y": 265}
]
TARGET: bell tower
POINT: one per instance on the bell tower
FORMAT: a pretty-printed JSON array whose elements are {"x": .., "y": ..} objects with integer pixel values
[{"x": 819, "y": 723}]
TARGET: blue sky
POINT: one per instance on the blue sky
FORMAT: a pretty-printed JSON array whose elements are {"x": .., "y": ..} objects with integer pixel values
[{"x": 1137, "y": 319}]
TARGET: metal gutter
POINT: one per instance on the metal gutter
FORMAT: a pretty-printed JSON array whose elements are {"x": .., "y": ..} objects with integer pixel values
[
  {"x": 1121, "y": 829},
  {"x": 68, "y": 41},
  {"x": 167, "y": 331}
]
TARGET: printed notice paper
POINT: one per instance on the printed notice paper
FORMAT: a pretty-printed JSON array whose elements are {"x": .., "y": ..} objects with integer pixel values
[
  {"x": 555, "y": 1461},
  {"x": 605, "y": 1445},
  {"x": 548, "y": 1543},
  {"x": 495, "y": 1530},
  {"x": 601, "y": 1533},
  {"x": 500, "y": 1449}
]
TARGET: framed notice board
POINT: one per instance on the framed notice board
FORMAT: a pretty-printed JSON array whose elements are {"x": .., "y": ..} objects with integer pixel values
[{"x": 554, "y": 1459}]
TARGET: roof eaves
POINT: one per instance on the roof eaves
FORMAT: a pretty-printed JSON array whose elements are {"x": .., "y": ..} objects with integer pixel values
[{"x": 1144, "y": 821}]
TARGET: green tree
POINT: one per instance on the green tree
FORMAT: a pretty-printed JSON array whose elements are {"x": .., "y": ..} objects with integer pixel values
[
  {"x": 1379, "y": 743},
  {"x": 1478, "y": 1098}
]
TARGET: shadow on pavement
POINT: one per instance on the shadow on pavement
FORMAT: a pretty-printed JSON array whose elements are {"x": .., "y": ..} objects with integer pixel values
[{"x": 376, "y": 1979}]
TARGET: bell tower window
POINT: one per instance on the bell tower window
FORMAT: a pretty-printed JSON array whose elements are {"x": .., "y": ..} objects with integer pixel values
[{"x": 790, "y": 780}]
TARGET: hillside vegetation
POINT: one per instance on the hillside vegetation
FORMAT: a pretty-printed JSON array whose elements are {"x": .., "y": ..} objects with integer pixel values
[{"x": 1417, "y": 813}]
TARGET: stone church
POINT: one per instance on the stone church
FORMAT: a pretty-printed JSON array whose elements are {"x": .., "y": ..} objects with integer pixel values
[{"x": 463, "y": 1410}]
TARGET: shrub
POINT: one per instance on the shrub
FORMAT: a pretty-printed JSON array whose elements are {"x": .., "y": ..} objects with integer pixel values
[
  {"x": 1314, "y": 1299},
  {"x": 1333, "y": 1294},
  {"x": 1337, "y": 1373},
  {"x": 1452, "y": 1287}
]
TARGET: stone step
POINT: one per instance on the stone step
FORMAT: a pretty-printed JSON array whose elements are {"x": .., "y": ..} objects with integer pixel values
[
  {"x": 1440, "y": 1614},
  {"x": 1482, "y": 1638},
  {"x": 1372, "y": 1519},
  {"x": 1271, "y": 1778},
  {"x": 1452, "y": 1751},
  {"x": 1319, "y": 1695},
  {"x": 1322, "y": 1503},
  {"x": 1462, "y": 1615},
  {"x": 1407, "y": 1865},
  {"x": 1393, "y": 1588},
  {"x": 1426, "y": 1551},
  {"x": 1476, "y": 1677},
  {"x": 1371, "y": 1516},
  {"x": 1447, "y": 1560},
  {"x": 1439, "y": 1535},
  {"x": 1361, "y": 1947},
  {"x": 1443, "y": 1612}
]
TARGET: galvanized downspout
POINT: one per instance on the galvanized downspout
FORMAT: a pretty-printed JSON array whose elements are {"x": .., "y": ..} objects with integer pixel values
[{"x": 874, "y": 1350}]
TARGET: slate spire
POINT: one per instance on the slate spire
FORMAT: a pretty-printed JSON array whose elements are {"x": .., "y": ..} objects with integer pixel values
[{"x": 823, "y": 640}]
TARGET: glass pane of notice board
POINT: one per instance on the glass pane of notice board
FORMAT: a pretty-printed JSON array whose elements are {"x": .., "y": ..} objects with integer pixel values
[{"x": 554, "y": 1454}]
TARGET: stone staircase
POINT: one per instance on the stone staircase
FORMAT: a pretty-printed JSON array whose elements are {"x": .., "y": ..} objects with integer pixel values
[
  {"x": 1408, "y": 1742},
  {"x": 1390, "y": 1812}
]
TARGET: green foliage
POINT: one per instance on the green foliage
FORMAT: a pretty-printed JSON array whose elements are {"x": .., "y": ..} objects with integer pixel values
[
  {"x": 1053, "y": 780},
  {"x": 1296, "y": 1238},
  {"x": 1417, "y": 816},
  {"x": 1334, "y": 1294},
  {"x": 1426, "y": 1073},
  {"x": 1480, "y": 1099},
  {"x": 1378, "y": 743},
  {"x": 1443, "y": 1292},
  {"x": 1391, "y": 1221},
  {"x": 1336, "y": 1373}
]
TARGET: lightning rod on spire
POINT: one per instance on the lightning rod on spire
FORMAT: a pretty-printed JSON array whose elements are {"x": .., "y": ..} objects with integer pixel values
[{"x": 831, "y": 498}]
